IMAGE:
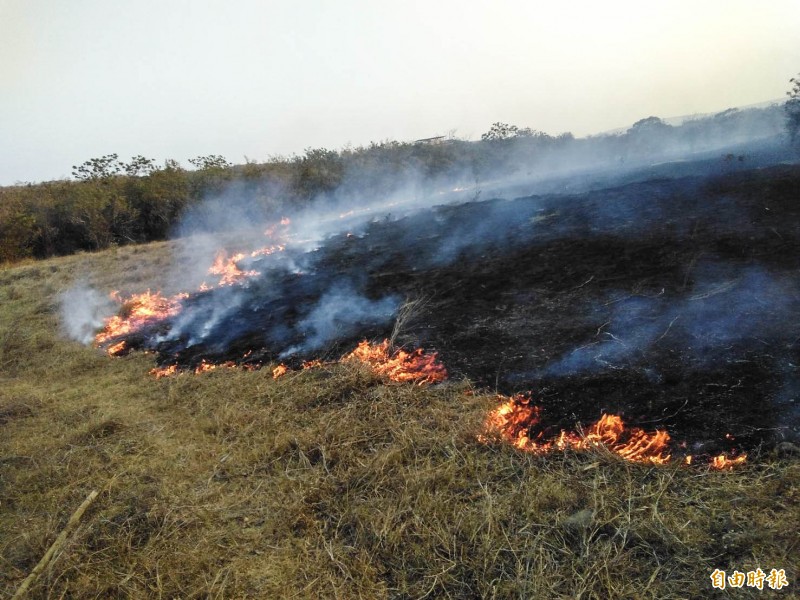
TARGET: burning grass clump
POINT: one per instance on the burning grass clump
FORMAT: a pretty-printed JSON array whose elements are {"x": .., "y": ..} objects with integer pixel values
[
  {"x": 329, "y": 482},
  {"x": 518, "y": 422},
  {"x": 398, "y": 365}
]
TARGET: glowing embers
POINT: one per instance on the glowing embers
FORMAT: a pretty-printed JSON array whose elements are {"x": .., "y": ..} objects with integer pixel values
[
  {"x": 138, "y": 311},
  {"x": 203, "y": 367},
  {"x": 399, "y": 365},
  {"x": 518, "y": 422},
  {"x": 282, "y": 369}
]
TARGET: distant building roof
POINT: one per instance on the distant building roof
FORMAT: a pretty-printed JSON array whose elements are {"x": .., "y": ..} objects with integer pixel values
[{"x": 430, "y": 140}]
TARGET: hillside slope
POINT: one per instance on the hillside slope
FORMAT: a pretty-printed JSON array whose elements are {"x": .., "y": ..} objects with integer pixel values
[{"x": 331, "y": 483}]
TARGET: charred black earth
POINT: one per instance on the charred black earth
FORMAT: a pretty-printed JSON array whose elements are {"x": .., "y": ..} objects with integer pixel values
[{"x": 672, "y": 302}]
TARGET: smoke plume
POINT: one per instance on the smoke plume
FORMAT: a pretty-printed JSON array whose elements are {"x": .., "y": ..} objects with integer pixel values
[{"x": 83, "y": 311}]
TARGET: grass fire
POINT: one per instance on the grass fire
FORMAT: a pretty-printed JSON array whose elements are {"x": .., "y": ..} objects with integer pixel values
[
  {"x": 517, "y": 422},
  {"x": 668, "y": 336},
  {"x": 336, "y": 401}
]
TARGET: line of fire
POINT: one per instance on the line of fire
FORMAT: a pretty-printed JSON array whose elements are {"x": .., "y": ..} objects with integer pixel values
[{"x": 654, "y": 319}]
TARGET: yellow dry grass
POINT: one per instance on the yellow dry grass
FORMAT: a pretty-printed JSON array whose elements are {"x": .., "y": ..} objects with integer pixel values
[{"x": 330, "y": 483}]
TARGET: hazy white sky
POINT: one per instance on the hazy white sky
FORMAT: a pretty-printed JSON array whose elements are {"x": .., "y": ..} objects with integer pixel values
[{"x": 182, "y": 78}]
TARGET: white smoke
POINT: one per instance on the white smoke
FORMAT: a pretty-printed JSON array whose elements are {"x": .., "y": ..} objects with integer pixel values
[
  {"x": 340, "y": 312},
  {"x": 83, "y": 310}
]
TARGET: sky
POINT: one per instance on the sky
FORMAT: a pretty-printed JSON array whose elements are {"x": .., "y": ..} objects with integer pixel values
[{"x": 254, "y": 79}]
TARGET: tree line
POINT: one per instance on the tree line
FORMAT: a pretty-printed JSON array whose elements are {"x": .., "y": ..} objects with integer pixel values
[{"x": 113, "y": 202}]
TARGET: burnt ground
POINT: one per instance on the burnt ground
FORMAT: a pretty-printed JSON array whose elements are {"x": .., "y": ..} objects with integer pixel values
[{"x": 672, "y": 302}]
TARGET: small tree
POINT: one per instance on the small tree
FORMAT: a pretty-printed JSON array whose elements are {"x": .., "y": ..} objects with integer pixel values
[
  {"x": 98, "y": 168},
  {"x": 649, "y": 125},
  {"x": 792, "y": 108},
  {"x": 504, "y": 131},
  {"x": 139, "y": 166},
  {"x": 210, "y": 175},
  {"x": 210, "y": 162},
  {"x": 500, "y": 131},
  {"x": 18, "y": 227},
  {"x": 319, "y": 171}
]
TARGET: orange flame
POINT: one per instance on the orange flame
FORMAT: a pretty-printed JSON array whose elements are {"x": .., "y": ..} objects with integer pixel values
[
  {"x": 160, "y": 372},
  {"x": 284, "y": 222},
  {"x": 515, "y": 420},
  {"x": 203, "y": 367},
  {"x": 722, "y": 462},
  {"x": 117, "y": 349},
  {"x": 401, "y": 366},
  {"x": 139, "y": 311},
  {"x": 145, "y": 309},
  {"x": 279, "y": 371},
  {"x": 267, "y": 250},
  {"x": 228, "y": 271}
]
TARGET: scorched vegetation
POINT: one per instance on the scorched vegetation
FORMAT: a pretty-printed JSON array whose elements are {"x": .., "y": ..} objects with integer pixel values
[
  {"x": 525, "y": 367},
  {"x": 331, "y": 481}
]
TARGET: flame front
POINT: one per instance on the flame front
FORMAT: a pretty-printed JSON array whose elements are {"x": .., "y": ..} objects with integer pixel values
[
  {"x": 142, "y": 310},
  {"x": 138, "y": 311},
  {"x": 517, "y": 421},
  {"x": 401, "y": 366}
]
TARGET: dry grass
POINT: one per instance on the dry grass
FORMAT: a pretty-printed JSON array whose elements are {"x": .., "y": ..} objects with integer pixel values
[{"x": 329, "y": 483}]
